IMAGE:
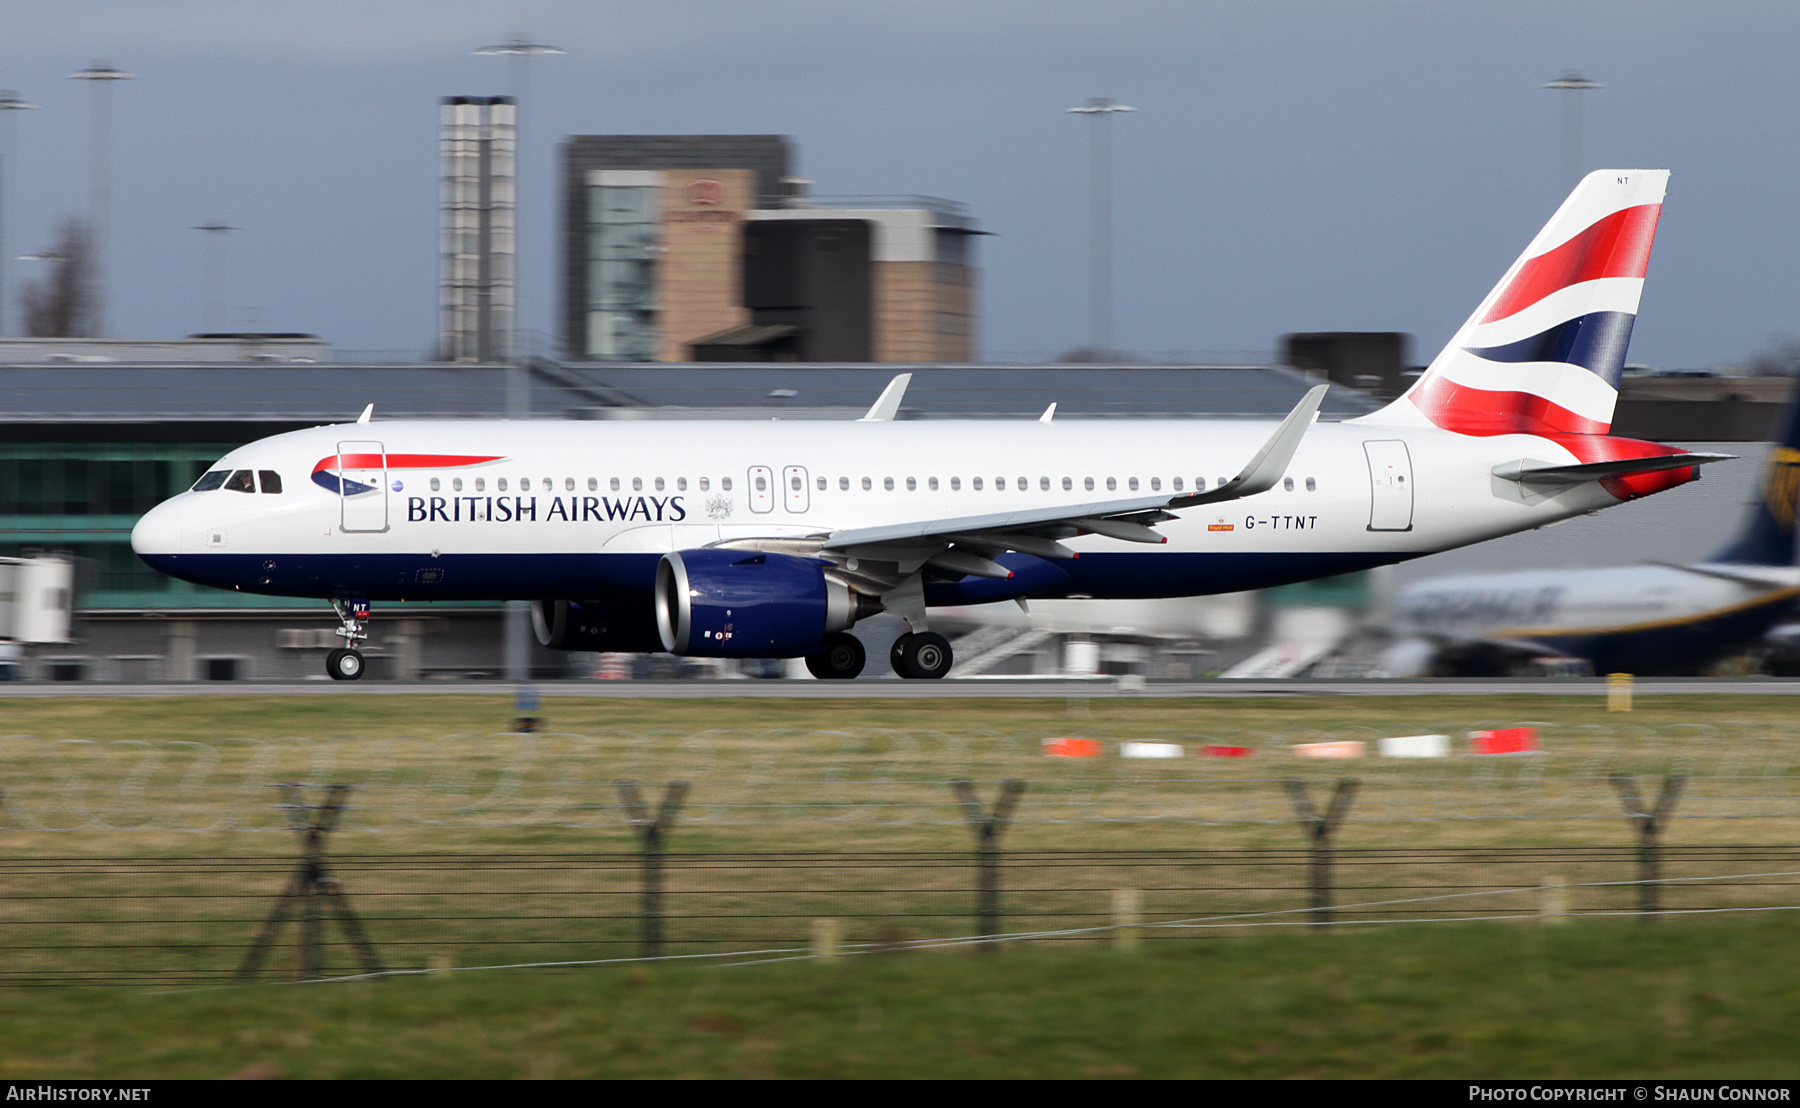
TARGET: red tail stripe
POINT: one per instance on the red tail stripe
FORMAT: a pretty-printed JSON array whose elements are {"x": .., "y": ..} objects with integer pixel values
[
  {"x": 1617, "y": 246},
  {"x": 403, "y": 461},
  {"x": 1471, "y": 411}
]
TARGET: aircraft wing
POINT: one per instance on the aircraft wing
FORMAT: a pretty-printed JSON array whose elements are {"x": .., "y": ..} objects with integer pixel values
[{"x": 967, "y": 544}]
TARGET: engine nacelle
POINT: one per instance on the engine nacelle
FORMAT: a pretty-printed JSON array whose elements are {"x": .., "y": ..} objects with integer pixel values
[
  {"x": 741, "y": 604},
  {"x": 623, "y": 624}
]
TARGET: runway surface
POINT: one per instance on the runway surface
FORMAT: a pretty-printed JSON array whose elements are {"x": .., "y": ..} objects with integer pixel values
[{"x": 929, "y": 690}]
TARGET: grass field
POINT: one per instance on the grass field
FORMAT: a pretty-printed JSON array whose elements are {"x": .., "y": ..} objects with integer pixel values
[
  {"x": 1679, "y": 999},
  {"x": 189, "y": 775}
]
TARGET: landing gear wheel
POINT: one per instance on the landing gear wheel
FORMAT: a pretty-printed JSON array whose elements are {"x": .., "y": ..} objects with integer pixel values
[
  {"x": 344, "y": 665},
  {"x": 922, "y": 656},
  {"x": 841, "y": 659}
]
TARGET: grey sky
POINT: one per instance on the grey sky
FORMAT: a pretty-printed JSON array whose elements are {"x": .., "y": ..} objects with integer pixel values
[{"x": 1292, "y": 165}]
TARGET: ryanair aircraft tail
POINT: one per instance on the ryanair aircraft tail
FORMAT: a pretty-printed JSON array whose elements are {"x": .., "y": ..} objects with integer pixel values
[
  {"x": 1543, "y": 352},
  {"x": 1768, "y": 535}
]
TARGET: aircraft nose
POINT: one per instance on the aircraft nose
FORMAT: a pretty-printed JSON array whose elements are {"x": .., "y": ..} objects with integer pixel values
[{"x": 159, "y": 532}]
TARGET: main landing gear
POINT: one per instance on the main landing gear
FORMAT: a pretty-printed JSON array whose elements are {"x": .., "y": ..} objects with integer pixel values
[
  {"x": 922, "y": 655},
  {"x": 841, "y": 659},
  {"x": 346, "y": 662}
]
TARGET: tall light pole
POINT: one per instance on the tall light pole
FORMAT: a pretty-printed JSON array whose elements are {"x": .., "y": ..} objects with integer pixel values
[
  {"x": 101, "y": 76},
  {"x": 1571, "y": 84},
  {"x": 1100, "y": 110},
  {"x": 212, "y": 278},
  {"x": 9, "y": 103},
  {"x": 519, "y": 49}
]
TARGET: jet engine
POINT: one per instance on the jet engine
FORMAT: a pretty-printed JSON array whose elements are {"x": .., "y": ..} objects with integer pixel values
[
  {"x": 740, "y": 604},
  {"x": 623, "y": 624}
]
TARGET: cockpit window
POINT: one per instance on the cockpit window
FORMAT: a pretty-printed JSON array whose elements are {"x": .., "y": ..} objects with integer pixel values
[
  {"x": 271, "y": 481},
  {"x": 241, "y": 481},
  {"x": 211, "y": 481}
]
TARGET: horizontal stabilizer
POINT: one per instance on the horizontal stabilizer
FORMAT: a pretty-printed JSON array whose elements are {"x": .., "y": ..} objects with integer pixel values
[{"x": 1556, "y": 473}]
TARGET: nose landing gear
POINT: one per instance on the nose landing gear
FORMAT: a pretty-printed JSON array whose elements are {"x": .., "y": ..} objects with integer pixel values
[
  {"x": 346, "y": 662},
  {"x": 923, "y": 655}
]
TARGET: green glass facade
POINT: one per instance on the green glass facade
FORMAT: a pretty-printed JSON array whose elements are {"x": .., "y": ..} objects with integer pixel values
[{"x": 82, "y": 498}]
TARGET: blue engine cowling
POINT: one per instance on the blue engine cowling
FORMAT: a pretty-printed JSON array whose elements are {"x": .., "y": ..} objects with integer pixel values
[
  {"x": 624, "y": 623},
  {"x": 741, "y": 604}
]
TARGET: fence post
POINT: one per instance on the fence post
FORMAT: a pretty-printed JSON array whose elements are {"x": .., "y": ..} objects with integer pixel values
[
  {"x": 1318, "y": 828},
  {"x": 987, "y": 827},
  {"x": 1649, "y": 824},
  {"x": 650, "y": 831},
  {"x": 314, "y": 888}
]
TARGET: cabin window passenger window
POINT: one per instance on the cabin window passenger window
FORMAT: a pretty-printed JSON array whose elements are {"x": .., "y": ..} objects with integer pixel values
[
  {"x": 500, "y": 484},
  {"x": 867, "y": 484},
  {"x": 1311, "y": 484},
  {"x": 568, "y": 484},
  {"x": 844, "y": 484},
  {"x": 887, "y": 483},
  {"x": 912, "y": 484},
  {"x": 956, "y": 484},
  {"x": 705, "y": 483},
  {"x": 637, "y": 484},
  {"x": 931, "y": 483},
  {"x": 1043, "y": 484},
  {"x": 615, "y": 484},
  {"x": 1112, "y": 483},
  {"x": 659, "y": 484},
  {"x": 481, "y": 483},
  {"x": 975, "y": 483},
  {"x": 725, "y": 483},
  {"x": 681, "y": 484},
  {"x": 796, "y": 484},
  {"x": 1156, "y": 484},
  {"x": 456, "y": 484},
  {"x": 1221, "y": 482},
  {"x": 241, "y": 481},
  {"x": 1287, "y": 483},
  {"x": 1177, "y": 484},
  {"x": 593, "y": 484},
  {"x": 210, "y": 481},
  {"x": 1132, "y": 484},
  {"x": 821, "y": 482},
  {"x": 762, "y": 483},
  {"x": 434, "y": 484},
  {"x": 1024, "y": 484},
  {"x": 270, "y": 480}
]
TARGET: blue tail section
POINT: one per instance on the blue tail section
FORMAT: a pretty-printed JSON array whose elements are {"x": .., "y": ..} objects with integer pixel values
[{"x": 1768, "y": 535}]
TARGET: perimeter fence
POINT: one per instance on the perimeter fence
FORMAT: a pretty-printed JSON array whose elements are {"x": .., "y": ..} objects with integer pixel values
[
  {"x": 190, "y": 921},
  {"x": 878, "y": 777}
]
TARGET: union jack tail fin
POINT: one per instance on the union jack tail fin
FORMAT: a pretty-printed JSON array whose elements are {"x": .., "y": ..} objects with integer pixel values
[{"x": 1543, "y": 352}]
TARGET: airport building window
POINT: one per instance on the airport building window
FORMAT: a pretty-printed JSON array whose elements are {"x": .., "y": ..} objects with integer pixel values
[
  {"x": 622, "y": 251},
  {"x": 241, "y": 481}
]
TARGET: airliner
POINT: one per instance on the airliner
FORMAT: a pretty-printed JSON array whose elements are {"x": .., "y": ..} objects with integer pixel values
[
  {"x": 741, "y": 539},
  {"x": 1653, "y": 619}
]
